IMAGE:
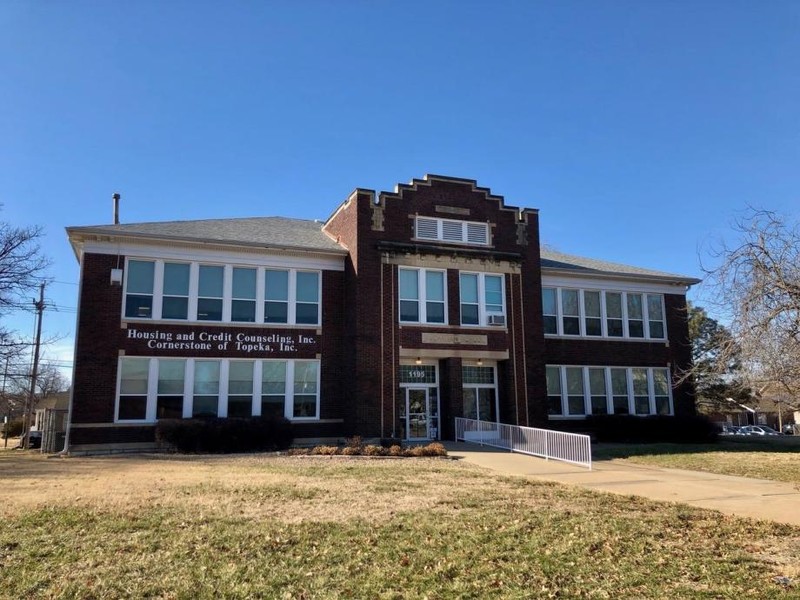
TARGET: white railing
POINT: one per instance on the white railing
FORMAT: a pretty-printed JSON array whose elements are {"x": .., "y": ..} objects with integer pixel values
[{"x": 573, "y": 448}]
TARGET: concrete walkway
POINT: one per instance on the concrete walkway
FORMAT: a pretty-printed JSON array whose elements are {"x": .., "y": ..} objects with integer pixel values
[{"x": 754, "y": 498}]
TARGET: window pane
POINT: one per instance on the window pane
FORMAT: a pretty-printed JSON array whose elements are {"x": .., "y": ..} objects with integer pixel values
[
  {"x": 169, "y": 407},
  {"x": 597, "y": 382},
  {"x": 140, "y": 276},
  {"x": 409, "y": 310},
  {"x": 434, "y": 312},
  {"x": 205, "y": 406},
  {"x": 211, "y": 278},
  {"x": 434, "y": 285},
  {"x": 305, "y": 377},
  {"x": 276, "y": 312},
  {"x": 277, "y": 285},
  {"x": 614, "y": 305},
  {"x": 469, "y": 288},
  {"x": 574, "y": 381},
  {"x": 548, "y": 301},
  {"x": 304, "y": 406},
  {"x": 662, "y": 405},
  {"x": 470, "y": 403},
  {"x": 273, "y": 406},
  {"x": 639, "y": 382},
  {"x": 660, "y": 382},
  {"x": 469, "y": 314},
  {"x": 243, "y": 311},
  {"x": 569, "y": 302},
  {"x": 133, "y": 379},
  {"x": 132, "y": 408},
  {"x": 634, "y": 306},
  {"x": 599, "y": 405},
  {"x": 240, "y": 406},
  {"x": 593, "y": 327},
  {"x": 170, "y": 376},
  {"x": 550, "y": 325},
  {"x": 572, "y": 326},
  {"x": 493, "y": 287},
  {"x": 487, "y": 405},
  {"x": 307, "y": 287},
  {"x": 307, "y": 314},
  {"x": 642, "y": 404},
  {"x": 614, "y": 327},
  {"x": 240, "y": 377},
  {"x": 656, "y": 329},
  {"x": 273, "y": 377},
  {"x": 654, "y": 308},
  {"x": 138, "y": 306},
  {"x": 174, "y": 308},
  {"x": 176, "y": 279},
  {"x": 621, "y": 405},
  {"x": 477, "y": 375},
  {"x": 576, "y": 405},
  {"x": 409, "y": 284},
  {"x": 206, "y": 377},
  {"x": 417, "y": 374},
  {"x": 244, "y": 283},
  {"x": 591, "y": 304},
  {"x": 553, "y": 381},
  {"x": 619, "y": 382},
  {"x": 209, "y": 309}
]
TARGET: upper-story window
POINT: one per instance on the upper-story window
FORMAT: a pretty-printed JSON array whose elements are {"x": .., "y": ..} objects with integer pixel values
[
  {"x": 450, "y": 230},
  {"x": 422, "y": 296},
  {"x": 157, "y": 289},
  {"x": 482, "y": 299},
  {"x": 596, "y": 313}
]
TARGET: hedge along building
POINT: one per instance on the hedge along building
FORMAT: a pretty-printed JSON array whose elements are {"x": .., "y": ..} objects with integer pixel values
[{"x": 396, "y": 315}]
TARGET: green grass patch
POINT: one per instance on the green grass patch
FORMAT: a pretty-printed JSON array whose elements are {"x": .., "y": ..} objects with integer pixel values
[{"x": 315, "y": 528}]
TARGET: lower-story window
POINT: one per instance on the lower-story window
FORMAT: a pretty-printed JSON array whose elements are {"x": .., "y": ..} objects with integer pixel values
[
  {"x": 165, "y": 388},
  {"x": 574, "y": 391},
  {"x": 480, "y": 393}
]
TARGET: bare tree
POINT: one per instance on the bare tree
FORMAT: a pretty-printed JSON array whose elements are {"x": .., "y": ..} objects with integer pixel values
[{"x": 757, "y": 286}]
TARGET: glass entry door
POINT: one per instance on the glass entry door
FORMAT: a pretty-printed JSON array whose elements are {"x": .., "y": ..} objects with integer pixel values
[{"x": 417, "y": 414}]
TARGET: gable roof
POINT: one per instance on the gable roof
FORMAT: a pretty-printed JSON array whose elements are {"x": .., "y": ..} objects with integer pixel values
[
  {"x": 569, "y": 264},
  {"x": 265, "y": 232}
]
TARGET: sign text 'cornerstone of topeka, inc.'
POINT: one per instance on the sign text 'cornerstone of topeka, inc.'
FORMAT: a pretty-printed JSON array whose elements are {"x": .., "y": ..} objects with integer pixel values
[{"x": 216, "y": 341}]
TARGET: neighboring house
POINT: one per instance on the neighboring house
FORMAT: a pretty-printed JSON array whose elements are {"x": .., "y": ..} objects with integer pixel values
[{"x": 399, "y": 313}]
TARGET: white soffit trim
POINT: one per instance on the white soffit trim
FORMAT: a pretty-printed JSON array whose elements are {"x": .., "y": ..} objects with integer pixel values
[
  {"x": 610, "y": 283},
  {"x": 255, "y": 257}
]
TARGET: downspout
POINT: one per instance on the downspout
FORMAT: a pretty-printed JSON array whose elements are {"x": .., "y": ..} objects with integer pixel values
[{"x": 524, "y": 351}]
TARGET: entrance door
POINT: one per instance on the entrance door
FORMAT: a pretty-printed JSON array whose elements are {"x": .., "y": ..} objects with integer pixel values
[{"x": 417, "y": 413}]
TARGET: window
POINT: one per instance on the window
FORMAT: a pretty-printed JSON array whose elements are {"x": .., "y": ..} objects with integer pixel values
[
  {"x": 592, "y": 316},
  {"x": 152, "y": 388},
  {"x": 595, "y": 313},
  {"x": 422, "y": 296},
  {"x": 549, "y": 310},
  {"x": 619, "y": 391},
  {"x": 638, "y": 390},
  {"x": 482, "y": 297},
  {"x": 273, "y": 388},
  {"x": 450, "y": 230},
  {"x": 597, "y": 389},
  {"x": 641, "y": 396},
  {"x": 655, "y": 315},
  {"x": 576, "y": 403},
  {"x": 221, "y": 293},
  {"x": 480, "y": 393},
  {"x": 240, "y": 388},
  {"x": 205, "y": 402},
  {"x": 571, "y": 323},
  {"x": 614, "y": 314},
  {"x": 133, "y": 389},
  {"x": 243, "y": 295},
  {"x": 554, "y": 406},
  {"x": 307, "y": 303},
  {"x": 209, "y": 293},
  {"x": 175, "y": 302},
  {"x": 306, "y": 390},
  {"x": 169, "y": 403},
  {"x": 139, "y": 287}
]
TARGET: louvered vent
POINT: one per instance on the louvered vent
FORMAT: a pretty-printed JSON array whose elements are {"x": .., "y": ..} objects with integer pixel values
[
  {"x": 427, "y": 229},
  {"x": 452, "y": 231},
  {"x": 477, "y": 233}
]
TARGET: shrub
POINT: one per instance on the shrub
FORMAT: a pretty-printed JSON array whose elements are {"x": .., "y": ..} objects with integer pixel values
[
  {"x": 325, "y": 450},
  {"x": 375, "y": 451},
  {"x": 659, "y": 428},
  {"x": 354, "y": 442},
  {"x": 434, "y": 449},
  {"x": 214, "y": 435},
  {"x": 13, "y": 428},
  {"x": 396, "y": 450},
  {"x": 351, "y": 450}
]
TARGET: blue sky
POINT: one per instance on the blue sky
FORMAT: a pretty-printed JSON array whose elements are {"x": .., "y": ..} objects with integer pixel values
[{"x": 639, "y": 129}]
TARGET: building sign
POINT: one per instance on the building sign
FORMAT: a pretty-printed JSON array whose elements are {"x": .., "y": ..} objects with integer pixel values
[
  {"x": 417, "y": 374},
  {"x": 242, "y": 342}
]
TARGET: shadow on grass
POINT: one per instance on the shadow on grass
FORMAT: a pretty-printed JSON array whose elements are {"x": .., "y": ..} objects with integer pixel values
[{"x": 782, "y": 444}]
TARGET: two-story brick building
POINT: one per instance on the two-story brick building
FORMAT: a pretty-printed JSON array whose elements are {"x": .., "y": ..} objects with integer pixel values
[{"x": 399, "y": 313}]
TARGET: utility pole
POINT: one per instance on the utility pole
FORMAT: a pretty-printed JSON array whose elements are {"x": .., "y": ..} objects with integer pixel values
[{"x": 26, "y": 425}]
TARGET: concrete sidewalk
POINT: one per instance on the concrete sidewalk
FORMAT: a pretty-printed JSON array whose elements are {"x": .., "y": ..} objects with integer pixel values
[{"x": 754, "y": 498}]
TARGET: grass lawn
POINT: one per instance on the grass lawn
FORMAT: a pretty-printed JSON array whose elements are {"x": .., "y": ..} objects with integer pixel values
[
  {"x": 776, "y": 458},
  {"x": 279, "y": 527}
]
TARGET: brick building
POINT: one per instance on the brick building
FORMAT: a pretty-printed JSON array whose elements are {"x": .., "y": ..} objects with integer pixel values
[{"x": 399, "y": 313}]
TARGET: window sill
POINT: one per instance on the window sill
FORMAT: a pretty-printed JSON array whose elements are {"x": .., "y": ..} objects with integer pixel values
[
  {"x": 600, "y": 338},
  {"x": 243, "y": 324}
]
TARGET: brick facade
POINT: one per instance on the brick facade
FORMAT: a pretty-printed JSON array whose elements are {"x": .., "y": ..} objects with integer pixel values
[{"x": 361, "y": 342}]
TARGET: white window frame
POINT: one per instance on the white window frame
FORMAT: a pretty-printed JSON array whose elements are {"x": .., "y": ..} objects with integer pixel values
[
  {"x": 604, "y": 314},
  {"x": 483, "y": 314},
  {"x": 465, "y": 226},
  {"x": 227, "y": 298},
  {"x": 422, "y": 299},
  {"x": 477, "y": 386},
  {"x": 224, "y": 378},
  {"x": 587, "y": 393}
]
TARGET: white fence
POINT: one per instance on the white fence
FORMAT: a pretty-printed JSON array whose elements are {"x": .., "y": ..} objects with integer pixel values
[{"x": 573, "y": 448}]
